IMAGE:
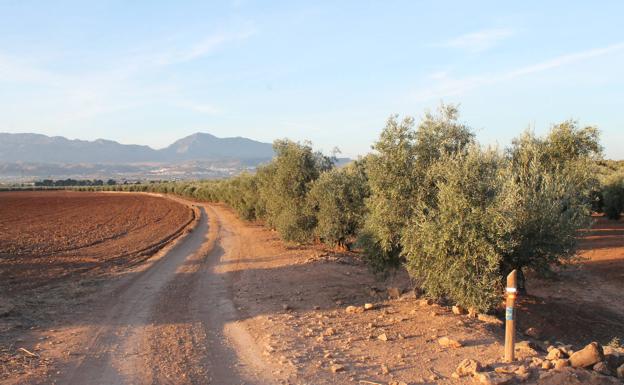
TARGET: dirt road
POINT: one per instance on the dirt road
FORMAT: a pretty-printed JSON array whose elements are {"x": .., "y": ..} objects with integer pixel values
[{"x": 172, "y": 323}]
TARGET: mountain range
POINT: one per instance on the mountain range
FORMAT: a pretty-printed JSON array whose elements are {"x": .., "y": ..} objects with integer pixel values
[{"x": 37, "y": 148}]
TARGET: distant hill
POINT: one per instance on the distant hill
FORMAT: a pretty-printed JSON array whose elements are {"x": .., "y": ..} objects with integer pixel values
[
  {"x": 39, "y": 148},
  {"x": 27, "y": 157},
  {"x": 201, "y": 146}
]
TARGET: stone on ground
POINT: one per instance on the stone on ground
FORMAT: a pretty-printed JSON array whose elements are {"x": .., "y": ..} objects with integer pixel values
[
  {"x": 457, "y": 309},
  {"x": 561, "y": 363},
  {"x": 525, "y": 349},
  {"x": 490, "y": 319},
  {"x": 588, "y": 356},
  {"x": 353, "y": 309},
  {"x": 449, "y": 343},
  {"x": 468, "y": 367},
  {"x": 602, "y": 368},
  {"x": 489, "y": 378},
  {"x": 554, "y": 354}
]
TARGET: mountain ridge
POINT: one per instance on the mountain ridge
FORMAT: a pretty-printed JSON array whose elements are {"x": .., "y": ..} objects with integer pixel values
[{"x": 33, "y": 147}]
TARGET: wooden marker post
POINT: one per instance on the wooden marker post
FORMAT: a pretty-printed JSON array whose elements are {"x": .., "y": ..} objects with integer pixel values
[{"x": 510, "y": 322}]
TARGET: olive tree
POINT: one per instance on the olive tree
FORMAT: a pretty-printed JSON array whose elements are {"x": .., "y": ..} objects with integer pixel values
[
  {"x": 486, "y": 213},
  {"x": 396, "y": 173},
  {"x": 613, "y": 196},
  {"x": 336, "y": 199},
  {"x": 284, "y": 187},
  {"x": 551, "y": 180},
  {"x": 452, "y": 244},
  {"x": 242, "y": 195},
  {"x": 392, "y": 181}
]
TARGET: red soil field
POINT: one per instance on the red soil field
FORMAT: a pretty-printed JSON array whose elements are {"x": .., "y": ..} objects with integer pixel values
[
  {"x": 45, "y": 236},
  {"x": 583, "y": 301}
]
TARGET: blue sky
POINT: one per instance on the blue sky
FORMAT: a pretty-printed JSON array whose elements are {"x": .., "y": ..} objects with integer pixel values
[{"x": 150, "y": 72}]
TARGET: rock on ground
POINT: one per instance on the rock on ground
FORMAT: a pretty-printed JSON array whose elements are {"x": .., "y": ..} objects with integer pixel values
[
  {"x": 588, "y": 356},
  {"x": 468, "y": 367},
  {"x": 457, "y": 309},
  {"x": 490, "y": 319},
  {"x": 449, "y": 343},
  {"x": 561, "y": 363},
  {"x": 602, "y": 368},
  {"x": 554, "y": 354},
  {"x": 490, "y": 378}
]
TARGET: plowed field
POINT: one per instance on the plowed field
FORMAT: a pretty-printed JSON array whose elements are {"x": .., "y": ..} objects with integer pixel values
[{"x": 45, "y": 236}]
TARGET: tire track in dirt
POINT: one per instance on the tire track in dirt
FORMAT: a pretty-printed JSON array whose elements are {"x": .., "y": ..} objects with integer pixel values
[{"x": 173, "y": 323}]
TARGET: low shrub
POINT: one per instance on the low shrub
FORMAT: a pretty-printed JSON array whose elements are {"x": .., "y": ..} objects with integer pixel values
[
  {"x": 613, "y": 196},
  {"x": 336, "y": 200},
  {"x": 284, "y": 187}
]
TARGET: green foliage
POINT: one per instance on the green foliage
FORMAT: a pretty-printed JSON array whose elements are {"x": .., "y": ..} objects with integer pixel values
[
  {"x": 480, "y": 214},
  {"x": 613, "y": 196},
  {"x": 69, "y": 182},
  {"x": 397, "y": 177},
  {"x": 286, "y": 186},
  {"x": 451, "y": 244},
  {"x": 551, "y": 200},
  {"x": 241, "y": 193},
  {"x": 488, "y": 214},
  {"x": 440, "y": 134},
  {"x": 336, "y": 199},
  {"x": 392, "y": 182},
  {"x": 567, "y": 150},
  {"x": 567, "y": 142},
  {"x": 606, "y": 170}
]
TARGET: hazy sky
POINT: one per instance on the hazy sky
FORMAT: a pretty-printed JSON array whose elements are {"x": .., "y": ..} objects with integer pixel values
[{"x": 150, "y": 72}]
